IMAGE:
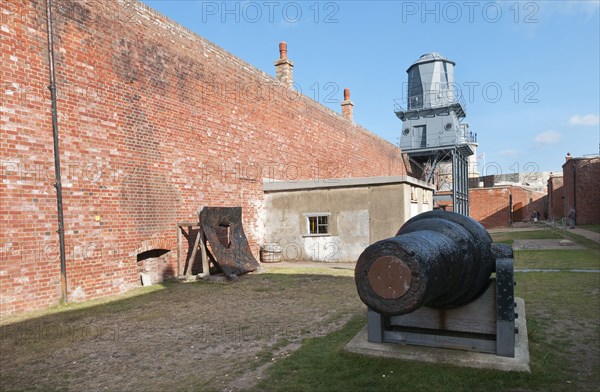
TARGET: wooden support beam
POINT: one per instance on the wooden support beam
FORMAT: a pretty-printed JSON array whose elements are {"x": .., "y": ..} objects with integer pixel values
[
  {"x": 203, "y": 254},
  {"x": 188, "y": 272},
  {"x": 179, "y": 267}
]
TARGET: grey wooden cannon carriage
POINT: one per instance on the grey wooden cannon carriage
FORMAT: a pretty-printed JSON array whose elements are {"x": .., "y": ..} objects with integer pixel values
[{"x": 440, "y": 282}]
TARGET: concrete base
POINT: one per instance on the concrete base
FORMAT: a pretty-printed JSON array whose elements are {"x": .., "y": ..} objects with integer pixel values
[
  {"x": 520, "y": 363},
  {"x": 146, "y": 279},
  {"x": 566, "y": 243}
]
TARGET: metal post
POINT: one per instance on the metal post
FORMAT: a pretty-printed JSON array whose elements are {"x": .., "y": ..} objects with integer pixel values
[
  {"x": 57, "y": 184},
  {"x": 455, "y": 202},
  {"x": 510, "y": 209},
  {"x": 574, "y": 193}
]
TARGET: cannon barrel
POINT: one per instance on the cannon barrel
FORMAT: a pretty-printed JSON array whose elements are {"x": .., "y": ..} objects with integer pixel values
[{"x": 438, "y": 259}]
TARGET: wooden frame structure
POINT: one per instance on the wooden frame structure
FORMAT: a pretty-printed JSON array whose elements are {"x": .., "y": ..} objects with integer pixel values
[{"x": 199, "y": 244}]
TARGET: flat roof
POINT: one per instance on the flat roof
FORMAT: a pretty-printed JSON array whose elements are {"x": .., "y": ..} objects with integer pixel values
[
  {"x": 583, "y": 158},
  {"x": 270, "y": 185}
]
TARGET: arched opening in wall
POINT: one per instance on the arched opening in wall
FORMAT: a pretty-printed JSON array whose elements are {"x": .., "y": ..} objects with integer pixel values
[
  {"x": 153, "y": 266},
  {"x": 152, "y": 253}
]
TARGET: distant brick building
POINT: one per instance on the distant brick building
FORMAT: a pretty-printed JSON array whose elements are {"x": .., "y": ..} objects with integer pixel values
[
  {"x": 581, "y": 188},
  {"x": 501, "y": 205},
  {"x": 556, "y": 204},
  {"x": 154, "y": 122}
]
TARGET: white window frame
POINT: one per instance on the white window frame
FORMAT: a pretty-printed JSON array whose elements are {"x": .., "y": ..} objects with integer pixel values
[
  {"x": 316, "y": 215},
  {"x": 414, "y": 196}
]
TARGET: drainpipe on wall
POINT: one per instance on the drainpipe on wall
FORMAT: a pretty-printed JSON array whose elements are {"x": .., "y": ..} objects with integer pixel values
[
  {"x": 57, "y": 184},
  {"x": 575, "y": 191},
  {"x": 510, "y": 210}
]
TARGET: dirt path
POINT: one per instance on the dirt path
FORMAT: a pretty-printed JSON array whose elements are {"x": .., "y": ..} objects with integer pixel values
[{"x": 208, "y": 336}]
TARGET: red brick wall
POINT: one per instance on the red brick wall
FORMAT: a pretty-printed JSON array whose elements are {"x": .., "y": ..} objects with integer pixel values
[
  {"x": 491, "y": 206},
  {"x": 154, "y": 122},
  {"x": 555, "y": 198},
  {"x": 531, "y": 201},
  {"x": 582, "y": 189}
]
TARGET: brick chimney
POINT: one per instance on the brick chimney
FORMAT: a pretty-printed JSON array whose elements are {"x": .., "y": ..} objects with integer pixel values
[
  {"x": 347, "y": 106},
  {"x": 284, "y": 67},
  {"x": 568, "y": 157}
]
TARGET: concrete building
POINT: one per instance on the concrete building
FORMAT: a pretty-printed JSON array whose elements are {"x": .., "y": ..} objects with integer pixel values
[
  {"x": 534, "y": 180},
  {"x": 335, "y": 220}
]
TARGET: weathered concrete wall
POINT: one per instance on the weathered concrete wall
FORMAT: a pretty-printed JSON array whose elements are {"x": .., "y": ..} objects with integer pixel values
[
  {"x": 358, "y": 217},
  {"x": 286, "y": 223}
]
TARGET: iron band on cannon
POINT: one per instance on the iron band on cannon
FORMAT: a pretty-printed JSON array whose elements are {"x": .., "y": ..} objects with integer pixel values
[{"x": 431, "y": 285}]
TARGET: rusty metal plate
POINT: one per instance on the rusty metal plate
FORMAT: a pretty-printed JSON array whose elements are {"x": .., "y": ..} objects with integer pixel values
[
  {"x": 228, "y": 242},
  {"x": 389, "y": 277}
]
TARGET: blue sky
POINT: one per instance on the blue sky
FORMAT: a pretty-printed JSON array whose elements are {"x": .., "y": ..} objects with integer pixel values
[{"x": 529, "y": 71}]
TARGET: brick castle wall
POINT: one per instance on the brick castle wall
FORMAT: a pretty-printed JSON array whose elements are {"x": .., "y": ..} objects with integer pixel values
[
  {"x": 581, "y": 189},
  {"x": 556, "y": 209},
  {"x": 154, "y": 122},
  {"x": 491, "y": 206}
]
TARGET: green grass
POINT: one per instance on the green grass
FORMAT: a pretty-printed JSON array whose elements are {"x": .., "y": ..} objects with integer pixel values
[
  {"x": 562, "y": 312},
  {"x": 595, "y": 228},
  {"x": 156, "y": 330},
  {"x": 562, "y": 315},
  {"x": 590, "y": 244},
  {"x": 560, "y": 295},
  {"x": 323, "y": 365},
  {"x": 510, "y": 236},
  {"x": 557, "y": 259}
]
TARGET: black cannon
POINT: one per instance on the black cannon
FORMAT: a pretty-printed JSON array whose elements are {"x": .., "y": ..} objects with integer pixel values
[{"x": 442, "y": 262}]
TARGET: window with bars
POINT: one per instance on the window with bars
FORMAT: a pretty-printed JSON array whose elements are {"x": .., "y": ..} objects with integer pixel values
[{"x": 318, "y": 224}]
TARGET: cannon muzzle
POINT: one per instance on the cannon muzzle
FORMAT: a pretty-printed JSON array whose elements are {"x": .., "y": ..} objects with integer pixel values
[{"x": 438, "y": 259}]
